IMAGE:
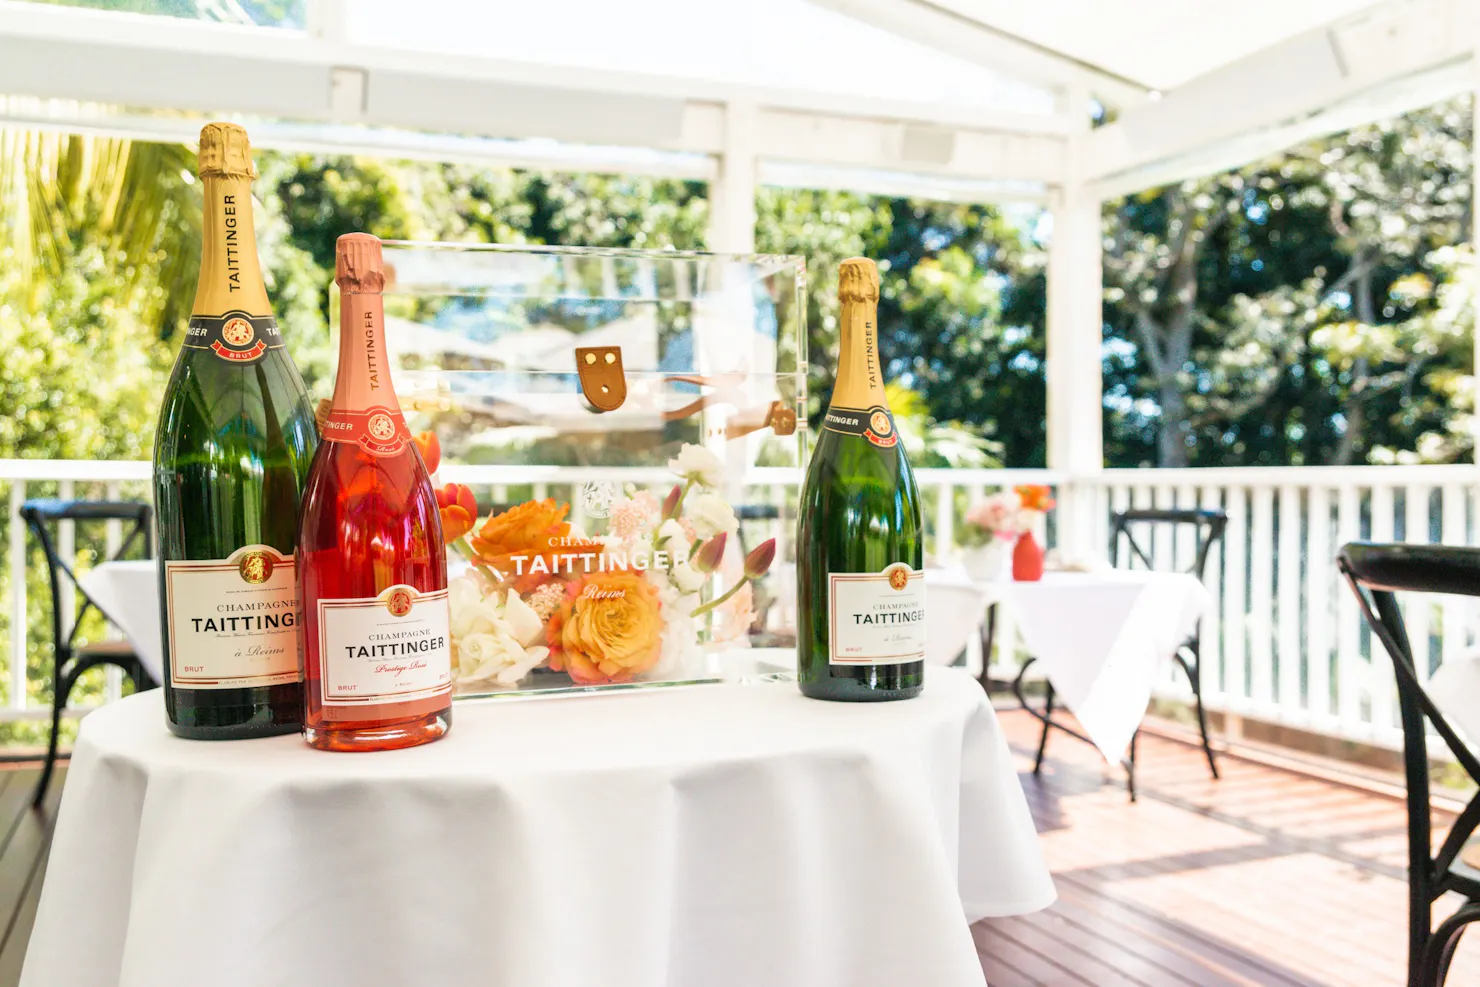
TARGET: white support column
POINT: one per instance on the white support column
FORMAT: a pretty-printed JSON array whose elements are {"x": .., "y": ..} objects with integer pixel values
[
  {"x": 731, "y": 231},
  {"x": 1075, "y": 320},
  {"x": 732, "y": 193}
]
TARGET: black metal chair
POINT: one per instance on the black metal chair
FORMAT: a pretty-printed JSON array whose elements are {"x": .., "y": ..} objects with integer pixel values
[
  {"x": 1208, "y": 529},
  {"x": 71, "y": 659},
  {"x": 1376, "y": 573}
]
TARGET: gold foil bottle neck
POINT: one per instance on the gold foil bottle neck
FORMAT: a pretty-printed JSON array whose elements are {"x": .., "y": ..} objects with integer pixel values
[
  {"x": 858, "y": 280},
  {"x": 359, "y": 265},
  {"x": 225, "y": 151}
]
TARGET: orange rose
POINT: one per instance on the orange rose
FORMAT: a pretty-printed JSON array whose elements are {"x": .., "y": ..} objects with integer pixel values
[
  {"x": 511, "y": 541},
  {"x": 608, "y": 630},
  {"x": 458, "y": 509}
]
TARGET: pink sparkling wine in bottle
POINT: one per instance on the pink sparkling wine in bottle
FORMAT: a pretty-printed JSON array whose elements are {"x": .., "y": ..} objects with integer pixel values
[{"x": 372, "y": 567}]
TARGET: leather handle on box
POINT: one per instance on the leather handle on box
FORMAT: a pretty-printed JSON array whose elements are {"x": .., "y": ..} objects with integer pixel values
[
  {"x": 602, "y": 380},
  {"x": 777, "y": 416}
]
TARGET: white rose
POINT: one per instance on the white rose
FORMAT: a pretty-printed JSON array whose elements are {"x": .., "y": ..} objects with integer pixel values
[
  {"x": 523, "y": 623},
  {"x": 710, "y": 514},
  {"x": 687, "y": 578},
  {"x": 497, "y": 657},
  {"x": 680, "y": 641},
  {"x": 698, "y": 464},
  {"x": 671, "y": 538},
  {"x": 474, "y": 651},
  {"x": 470, "y": 612},
  {"x": 462, "y": 593}
]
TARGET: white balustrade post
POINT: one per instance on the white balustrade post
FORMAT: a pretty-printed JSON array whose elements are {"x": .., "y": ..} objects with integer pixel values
[
  {"x": 1075, "y": 325},
  {"x": 945, "y": 523}
]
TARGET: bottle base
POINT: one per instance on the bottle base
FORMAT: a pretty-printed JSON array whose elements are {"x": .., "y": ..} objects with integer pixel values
[
  {"x": 380, "y": 735},
  {"x": 849, "y": 691},
  {"x": 238, "y": 731},
  {"x": 234, "y": 714}
]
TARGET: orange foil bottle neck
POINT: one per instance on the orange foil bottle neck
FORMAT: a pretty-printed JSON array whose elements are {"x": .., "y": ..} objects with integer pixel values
[{"x": 364, "y": 410}]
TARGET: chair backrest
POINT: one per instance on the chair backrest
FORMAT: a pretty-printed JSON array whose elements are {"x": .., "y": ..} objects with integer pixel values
[
  {"x": 1376, "y": 574},
  {"x": 1207, "y": 526},
  {"x": 41, "y": 515}
]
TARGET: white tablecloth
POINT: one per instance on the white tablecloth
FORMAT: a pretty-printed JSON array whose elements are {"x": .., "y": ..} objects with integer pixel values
[
  {"x": 706, "y": 837},
  {"x": 1102, "y": 638},
  {"x": 955, "y": 611},
  {"x": 128, "y": 592}
]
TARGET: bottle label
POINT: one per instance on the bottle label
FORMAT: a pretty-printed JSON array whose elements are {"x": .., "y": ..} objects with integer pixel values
[
  {"x": 380, "y": 431},
  {"x": 235, "y": 337},
  {"x": 233, "y": 622},
  {"x": 875, "y": 424},
  {"x": 876, "y": 618},
  {"x": 392, "y": 648}
]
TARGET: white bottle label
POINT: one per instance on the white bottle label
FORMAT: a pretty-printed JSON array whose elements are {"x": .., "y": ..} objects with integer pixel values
[
  {"x": 233, "y": 622},
  {"x": 876, "y": 618},
  {"x": 391, "y": 648}
]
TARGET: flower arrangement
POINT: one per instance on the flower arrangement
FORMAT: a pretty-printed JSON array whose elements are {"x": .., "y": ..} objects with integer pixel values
[
  {"x": 998, "y": 518},
  {"x": 1005, "y": 515},
  {"x": 606, "y": 606}
]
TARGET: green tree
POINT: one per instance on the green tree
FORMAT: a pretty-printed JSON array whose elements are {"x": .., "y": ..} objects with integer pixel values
[{"x": 1259, "y": 317}]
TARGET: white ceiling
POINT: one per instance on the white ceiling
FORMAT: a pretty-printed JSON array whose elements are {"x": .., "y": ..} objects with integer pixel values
[
  {"x": 773, "y": 44},
  {"x": 1158, "y": 43}
]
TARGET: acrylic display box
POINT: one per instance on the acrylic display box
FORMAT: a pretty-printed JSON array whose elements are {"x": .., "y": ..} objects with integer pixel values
[{"x": 629, "y": 427}]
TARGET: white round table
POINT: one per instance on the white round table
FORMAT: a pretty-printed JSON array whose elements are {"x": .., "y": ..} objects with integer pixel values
[{"x": 712, "y": 836}]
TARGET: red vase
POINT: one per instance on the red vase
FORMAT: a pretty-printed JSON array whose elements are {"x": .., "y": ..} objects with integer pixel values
[{"x": 1027, "y": 559}]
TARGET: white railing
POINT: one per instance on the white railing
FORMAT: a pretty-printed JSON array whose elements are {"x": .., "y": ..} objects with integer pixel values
[{"x": 1284, "y": 643}]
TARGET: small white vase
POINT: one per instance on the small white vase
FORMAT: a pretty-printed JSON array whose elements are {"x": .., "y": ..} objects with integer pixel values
[{"x": 989, "y": 562}]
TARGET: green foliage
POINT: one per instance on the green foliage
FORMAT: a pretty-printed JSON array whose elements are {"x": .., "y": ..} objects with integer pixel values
[
  {"x": 931, "y": 443},
  {"x": 961, "y": 308},
  {"x": 1290, "y": 312}
]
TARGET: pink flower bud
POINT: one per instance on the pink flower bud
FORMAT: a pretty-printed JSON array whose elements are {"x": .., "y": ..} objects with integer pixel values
[
  {"x": 711, "y": 554},
  {"x": 670, "y": 503},
  {"x": 760, "y": 559}
]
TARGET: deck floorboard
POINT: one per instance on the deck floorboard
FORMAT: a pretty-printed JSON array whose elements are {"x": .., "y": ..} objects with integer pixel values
[
  {"x": 25, "y": 839},
  {"x": 1266, "y": 878}
]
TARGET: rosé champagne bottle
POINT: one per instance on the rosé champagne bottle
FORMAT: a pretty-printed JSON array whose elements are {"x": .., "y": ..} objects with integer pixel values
[{"x": 372, "y": 569}]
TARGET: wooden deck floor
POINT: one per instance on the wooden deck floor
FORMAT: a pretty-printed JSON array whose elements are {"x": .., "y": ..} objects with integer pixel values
[
  {"x": 25, "y": 839},
  {"x": 1263, "y": 878}
]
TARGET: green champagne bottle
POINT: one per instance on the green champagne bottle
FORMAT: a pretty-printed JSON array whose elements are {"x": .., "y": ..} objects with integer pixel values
[
  {"x": 860, "y": 547},
  {"x": 235, "y": 438}
]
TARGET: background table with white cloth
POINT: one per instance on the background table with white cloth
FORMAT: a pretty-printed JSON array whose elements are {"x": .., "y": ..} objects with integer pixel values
[
  {"x": 1101, "y": 638},
  {"x": 128, "y": 592},
  {"x": 718, "y": 835}
]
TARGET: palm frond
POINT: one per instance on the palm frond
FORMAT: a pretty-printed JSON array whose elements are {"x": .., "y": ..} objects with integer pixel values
[{"x": 56, "y": 189}]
